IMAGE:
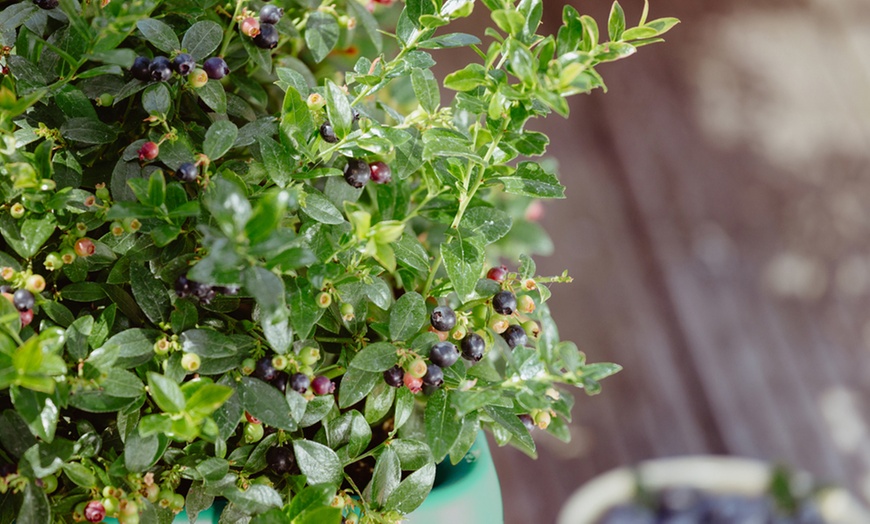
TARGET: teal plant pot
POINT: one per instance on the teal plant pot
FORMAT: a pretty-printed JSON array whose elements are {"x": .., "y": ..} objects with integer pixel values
[{"x": 466, "y": 492}]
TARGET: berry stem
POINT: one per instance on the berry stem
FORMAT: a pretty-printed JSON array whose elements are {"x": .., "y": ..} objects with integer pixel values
[{"x": 230, "y": 30}]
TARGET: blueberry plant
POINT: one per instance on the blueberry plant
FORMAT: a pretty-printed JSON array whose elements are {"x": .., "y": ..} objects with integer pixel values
[{"x": 251, "y": 251}]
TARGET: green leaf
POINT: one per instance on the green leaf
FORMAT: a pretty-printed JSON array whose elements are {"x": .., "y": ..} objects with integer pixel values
[
  {"x": 150, "y": 293},
  {"x": 509, "y": 420},
  {"x": 214, "y": 96},
  {"x": 156, "y": 99},
  {"x": 488, "y": 222},
  {"x": 277, "y": 160},
  {"x": 404, "y": 406},
  {"x": 426, "y": 89},
  {"x": 219, "y": 138},
  {"x": 377, "y": 357},
  {"x": 140, "y": 453},
  {"x": 442, "y": 425},
  {"x": 412, "y": 491},
  {"x": 317, "y": 462},
  {"x": 258, "y": 498},
  {"x": 463, "y": 260},
  {"x": 321, "y": 515},
  {"x": 122, "y": 383},
  {"x": 369, "y": 24},
  {"x": 321, "y": 34},
  {"x": 34, "y": 506},
  {"x": 268, "y": 290},
  {"x": 165, "y": 393},
  {"x": 407, "y": 316},
  {"x": 27, "y": 236},
  {"x": 296, "y": 117},
  {"x": 266, "y": 403},
  {"x": 385, "y": 478},
  {"x": 159, "y": 34},
  {"x": 414, "y": 9},
  {"x": 320, "y": 208},
  {"x": 467, "y": 78},
  {"x": 448, "y": 41},
  {"x": 509, "y": 21},
  {"x": 311, "y": 497},
  {"x": 355, "y": 385},
  {"x": 207, "y": 399},
  {"x": 304, "y": 312},
  {"x": 662, "y": 25},
  {"x": 80, "y": 475},
  {"x": 38, "y": 411},
  {"x": 202, "y": 39},
  {"x": 530, "y": 179},
  {"x": 440, "y": 142},
  {"x": 127, "y": 349},
  {"x": 616, "y": 22},
  {"x": 338, "y": 109},
  {"x": 379, "y": 402}
]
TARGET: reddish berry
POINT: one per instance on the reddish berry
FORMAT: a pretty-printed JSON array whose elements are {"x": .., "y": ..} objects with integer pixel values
[
  {"x": 321, "y": 385},
  {"x": 415, "y": 384},
  {"x": 26, "y": 317},
  {"x": 497, "y": 273},
  {"x": 149, "y": 151},
  {"x": 381, "y": 172},
  {"x": 94, "y": 511},
  {"x": 250, "y": 26},
  {"x": 252, "y": 419},
  {"x": 85, "y": 247}
]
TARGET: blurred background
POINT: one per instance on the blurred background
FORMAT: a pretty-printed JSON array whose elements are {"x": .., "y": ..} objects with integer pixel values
[{"x": 716, "y": 228}]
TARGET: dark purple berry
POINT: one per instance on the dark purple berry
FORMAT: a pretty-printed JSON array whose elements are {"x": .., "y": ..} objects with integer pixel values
[
  {"x": 204, "y": 292},
  {"x": 6, "y": 288},
  {"x": 327, "y": 133},
  {"x": 515, "y": 336},
  {"x": 299, "y": 382},
  {"x": 281, "y": 460},
  {"x": 443, "y": 354},
  {"x": 265, "y": 370},
  {"x": 7, "y": 469},
  {"x": 187, "y": 172},
  {"x": 182, "y": 286},
  {"x": 216, "y": 68},
  {"x": 504, "y": 303},
  {"x": 443, "y": 318},
  {"x": 381, "y": 173},
  {"x": 230, "y": 291},
  {"x": 321, "y": 385},
  {"x": 268, "y": 36},
  {"x": 140, "y": 68},
  {"x": 527, "y": 421},
  {"x": 46, "y": 4},
  {"x": 434, "y": 376},
  {"x": 394, "y": 376},
  {"x": 473, "y": 347},
  {"x": 269, "y": 14},
  {"x": 23, "y": 300},
  {"x": 160, "y": 69},
  {"x": 183, "y": 64},
  {"x": 282, "y": 378},
  {"x": 357, "y": 173}
]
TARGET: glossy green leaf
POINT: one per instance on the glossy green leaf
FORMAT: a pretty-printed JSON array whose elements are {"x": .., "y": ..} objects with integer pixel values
[
  {"x": 28, "y": 235},
  {"x": 214, "y": 96},
  {"x": 338, "y": 109},
  {"x": 156, "y": 99},
  {"x": 150, "y": 293},
  {"x": 530, "y": 179},
  {"x": 386, "y": 477},
  {"x": 321, "y": 34},
  {"x": 159, "y": 35},
  {"x": 320, "y": 208},
  {"x": 426, "y": 89},
  {"x": 467, "y": 78},
  {"x": 463, "y": 260},
  {"x": 376, "y": 357},
  {"x": 407, "y": 316},
  {"x": 616, "y": 22},
  {"x": 412, "y": 491},
  {"x": 488, "y": 222},
  {"x": 355, "y": 385},
  {"x": 219, "y": 138},
  {"x": 442, "y": 425},
  {"x": 266, "y": 403},
  {"x": 202, "y": 39},
  {"x": 317, "y": 462},
  {"x": 165, "y": 393}
]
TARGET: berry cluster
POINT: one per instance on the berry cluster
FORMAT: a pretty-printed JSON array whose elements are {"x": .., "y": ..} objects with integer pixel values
[
  {"x": 160, "y": 69},
  {"x": 263, "y": 32},
  {"x": 184, "y": 288},
  {"x": 271, "y": 370},
  {"x": 23, "y": 298},
  {"x": 358, "y": 172}
]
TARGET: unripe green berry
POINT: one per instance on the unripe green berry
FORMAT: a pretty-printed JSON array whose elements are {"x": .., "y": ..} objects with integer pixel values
[
  {"x": 105, "y": 100},
  {"x": 532, "y": 329},
  {"x": 117, "y": 228},
  {"x": 162, "y": 346},
  {"x": 324, "y": 299},
  {"x": 151, "y": 492},
  {"x": 35, "y": 283},
  {"x": 53, "y": 262},
  {"x": 347, "y": 313},
  {"x": 177, "y": 503},
  {"x": 417, "y": 368},
  {"x": 279, "y": 362},
  {"x": 253, "y": 433},
  {"x": 112, "y": 506},
  {"x": 499, "y": 323},
  {"x": 248, "y": 366},
  {"x": 81, "y": 229},
  {"x": 526, "y": 304},
  {"x": 479, "y": 314},
  {"x": 68, "y": 255},
  {"x": 102, "y": 192},
  {"x": 309, "y": 355},
  {"x": 165, "y": 498},
  {"x": 197, "y": 78},
  {"x": 17, "y": 210},
  {"x": 459, "y": 332},
  {"x": 131, "y": 225},
  {"x": 191, "y": 361},
  {"x": 49, "y": 484}
]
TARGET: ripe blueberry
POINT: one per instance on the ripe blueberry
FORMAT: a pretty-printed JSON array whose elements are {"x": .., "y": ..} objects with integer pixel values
[
  {"x": 187, "y": 172},
  {"x": 527, "y": 421},
  {"x": 504, "y": 303},
  {"x": 443, "y": 318},
  {"x": 381, "y": 173},
  {"x": 183, "y": 64},
  {"x": 264, "y": 369},
  {"x": 269, "y": 14},
  {"x": 473, "y": 347},
  {"x": 46, "y": 4},
  {"x": 497, "y": 273},
  {"x": 148, "y": 151},
  {"x": 434, "y": 376},
  {"x": 443, "y": 354},
  {"x": 299, "y": 382},
  {"x": 268, "y": 36},
  {"x": 393, "y": 376},
  {"x": 327, "y": 133},
  {"x": 515, "y": 336},
  {"x": 321, "y": 385},
  {"x": 282, "y": 378},
  {"x": 281, "y": 460},
  {"x": 23, "y": 300},
  {"x": 357, "y": 173},
  {"x": 160, "y": 69},
  {"x": 216, "y": 68},
  {"x": 140, "y": 68}
]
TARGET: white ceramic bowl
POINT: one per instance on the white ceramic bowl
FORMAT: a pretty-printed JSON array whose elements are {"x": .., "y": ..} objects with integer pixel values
[{"x": 714, "y": 474}]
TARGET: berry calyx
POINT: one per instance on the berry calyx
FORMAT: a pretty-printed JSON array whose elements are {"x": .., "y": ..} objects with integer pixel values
[
  {"x": 497, "y": 273},
  {"x": 216, "y": 68},
  {"x": 183, "y": 64},
  {"x": 148, "y": 151},
  {"x": 68, "y": 255},
  {"x": 498, "y": 323},
  {"x": 414, "y": 384},
  {"x": 197, "y": 78},
  {"x": 434, "y": 376},
  {"x": 504, "y": 303},
  {"x": 381, "y": 173},
  {"x": 394, "y": 376},
  {"x": 321, "y": 385},
  {"x": 46, "y": 4},
  {"x": 357, "y": 173},
  {"x": 269, "y": 14},
  {"x": 252, "y": 419},
  {"x": 160, "y": 69},
  {"x": 299, "y": 382},
  {"x": 473, "y": 347},
  {"x": 250, "y": 26},
  {"x": 187, "y": 172},
  {"x": 23, "y": 300},
  {"x": 264, "y": 370},
  {"x": 85, "y": 247},
  {"x": 347, "y": 312},
  {"x": 94, "y": 511},
  {"x": 280, "y": 459},
  {"x": 443, "y": 354},
  {"x": 268, "y": 37},
  {"x": 443, "y": 318},
  {"x": 515, "y": 336},
  {"x": 327, "y": 133}
]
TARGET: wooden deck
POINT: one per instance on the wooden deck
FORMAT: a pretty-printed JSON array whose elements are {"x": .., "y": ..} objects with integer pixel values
[{"x": 718, "y": 229}]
